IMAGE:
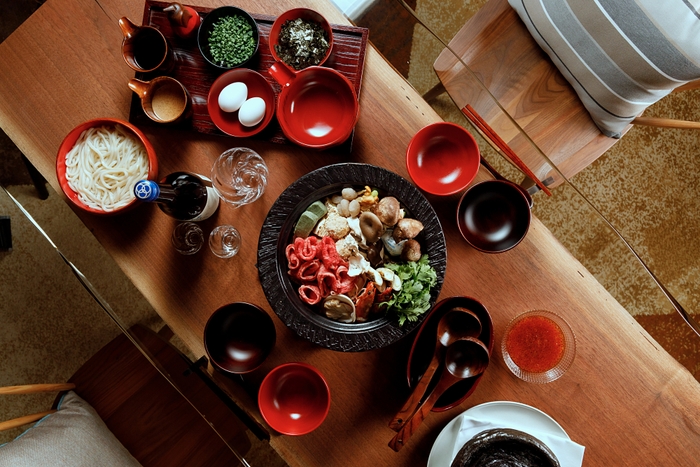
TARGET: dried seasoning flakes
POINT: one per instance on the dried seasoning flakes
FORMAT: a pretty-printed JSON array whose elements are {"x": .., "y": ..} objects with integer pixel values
[{"x": 302, "y": 43}]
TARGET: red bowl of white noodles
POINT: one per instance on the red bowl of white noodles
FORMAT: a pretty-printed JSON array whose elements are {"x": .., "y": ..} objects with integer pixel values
[{"x": 100, "y": 161}]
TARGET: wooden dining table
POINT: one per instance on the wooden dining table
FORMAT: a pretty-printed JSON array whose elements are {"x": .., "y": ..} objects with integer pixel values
[{"x": 624, "y": 398}]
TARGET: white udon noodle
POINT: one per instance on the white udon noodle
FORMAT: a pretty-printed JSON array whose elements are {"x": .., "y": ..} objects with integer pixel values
[{"x": 104, "y": 165}]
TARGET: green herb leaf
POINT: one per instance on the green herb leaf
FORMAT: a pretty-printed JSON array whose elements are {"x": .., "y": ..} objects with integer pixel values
[
  {"x": 302, "y": 43},
  {"x": 413, "y": 299},
  {"x": 231, "y": 41}
]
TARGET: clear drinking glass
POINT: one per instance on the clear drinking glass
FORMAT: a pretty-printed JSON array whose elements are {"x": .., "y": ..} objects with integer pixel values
[
  {"x": 239, "y": 176},
  {"x": 224, "y": 241},
  {"x": 187, "y": 238}
]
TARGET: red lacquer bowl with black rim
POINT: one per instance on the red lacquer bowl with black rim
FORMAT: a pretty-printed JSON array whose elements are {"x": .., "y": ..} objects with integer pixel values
[
  {"x": 424, "y": 347},
  {"x": 72, "y": 138}
]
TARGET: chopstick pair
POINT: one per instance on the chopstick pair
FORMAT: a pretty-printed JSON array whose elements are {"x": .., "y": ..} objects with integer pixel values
[
  {"x": 484, "y": 127},
  {"x": 410, "y": 424},
  {"x": 418, "y": 396}
]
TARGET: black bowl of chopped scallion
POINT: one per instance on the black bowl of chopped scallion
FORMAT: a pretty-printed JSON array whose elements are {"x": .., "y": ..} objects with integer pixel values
[{"x": 228, "y": 37}]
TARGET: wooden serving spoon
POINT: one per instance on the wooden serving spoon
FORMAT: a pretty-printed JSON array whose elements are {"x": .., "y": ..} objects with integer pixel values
[
  {"x": 464, "y": 359},
  {"x": 455, "y": 324}
]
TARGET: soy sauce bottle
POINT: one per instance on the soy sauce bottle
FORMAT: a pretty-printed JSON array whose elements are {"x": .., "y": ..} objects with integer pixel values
[
  {"x": 182, "y": 195},
  {"x": 184, "y": 19}
]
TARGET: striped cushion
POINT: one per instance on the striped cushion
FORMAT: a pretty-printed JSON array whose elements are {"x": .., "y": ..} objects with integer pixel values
[{"x": 619, "y": 55}]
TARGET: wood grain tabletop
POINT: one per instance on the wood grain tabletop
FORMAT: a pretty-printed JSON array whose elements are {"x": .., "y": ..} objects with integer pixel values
[{"x": 624, "y": 398}]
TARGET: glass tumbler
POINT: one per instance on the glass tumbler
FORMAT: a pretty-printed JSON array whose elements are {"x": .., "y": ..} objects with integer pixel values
[
  {"x": 187, "y": 238},
  {"x": 224, "y": 241},
  {"x": 239, "y": 176}
]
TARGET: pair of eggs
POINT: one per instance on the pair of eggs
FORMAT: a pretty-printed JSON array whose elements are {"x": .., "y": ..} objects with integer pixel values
[{"x": 234, "y": 97}]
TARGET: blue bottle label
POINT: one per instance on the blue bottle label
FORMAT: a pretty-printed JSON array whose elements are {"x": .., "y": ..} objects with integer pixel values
[{"x": 146, "y": 190}]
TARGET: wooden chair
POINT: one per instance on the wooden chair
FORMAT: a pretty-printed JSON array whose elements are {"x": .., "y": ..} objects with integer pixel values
[
  {"x": 151, "y": 419},
  {"x": 502, "y": 54}
]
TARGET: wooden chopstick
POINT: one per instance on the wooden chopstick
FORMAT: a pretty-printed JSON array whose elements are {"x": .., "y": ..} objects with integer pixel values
[{"x": 481, "y": 124}]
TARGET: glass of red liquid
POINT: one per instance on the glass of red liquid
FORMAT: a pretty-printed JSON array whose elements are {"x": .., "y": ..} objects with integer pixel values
[{"x": 538, "y": 346}]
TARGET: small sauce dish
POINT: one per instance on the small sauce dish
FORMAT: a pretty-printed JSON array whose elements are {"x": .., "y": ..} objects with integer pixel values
[{"x": 257, "y": 86}]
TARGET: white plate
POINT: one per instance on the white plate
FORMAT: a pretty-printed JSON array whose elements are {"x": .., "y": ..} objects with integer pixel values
[{"x": 509, "y": 414}]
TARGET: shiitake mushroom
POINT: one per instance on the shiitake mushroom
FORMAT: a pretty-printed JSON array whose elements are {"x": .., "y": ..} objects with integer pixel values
[
  {"x": 388, "y": 210},
  {"x": 407, "y": 229},
  {"x": 411, "y": 250},
  {"x": 371, "y": 227}
]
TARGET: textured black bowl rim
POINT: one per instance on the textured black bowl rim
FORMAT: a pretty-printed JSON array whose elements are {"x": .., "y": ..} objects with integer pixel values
[
  {"x": 207, "y": 24},
  {"x": 277, "y": 231},
  {"x": 488, "y": 438}
]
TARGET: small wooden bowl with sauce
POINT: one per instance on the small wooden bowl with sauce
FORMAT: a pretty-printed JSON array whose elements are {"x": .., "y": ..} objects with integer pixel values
[{"x": 538, "y": 346}]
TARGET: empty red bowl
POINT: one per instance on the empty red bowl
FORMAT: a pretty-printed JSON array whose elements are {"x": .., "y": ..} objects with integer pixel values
[
  {"x": 442, "y": 158},
  {"x": 257, "y": 85},
  {"x": 294, "y": 399},
  {"x": 307, "y": 15},
  {"x": 238, "y": 337},
  {"x": 72, "y": 138},
  {"x": 317, "y": 106}
]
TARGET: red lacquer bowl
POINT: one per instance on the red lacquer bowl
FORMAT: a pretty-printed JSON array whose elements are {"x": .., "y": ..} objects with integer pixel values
[
  {"x": 294, "y": 398},
  {"x": 424, "y": 346},
  {"x": 442, "y": 158},
  {"x": 257, "y": 86},
  {"x": 305, "y": 14},
  {"x": 70, "y": 140},
  {"x": 317, "y": 107}
]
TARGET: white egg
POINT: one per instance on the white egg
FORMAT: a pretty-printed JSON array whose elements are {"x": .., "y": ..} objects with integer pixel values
[
  {"x": 233, "y": 96},
  {"x": 252, "y": 111}
]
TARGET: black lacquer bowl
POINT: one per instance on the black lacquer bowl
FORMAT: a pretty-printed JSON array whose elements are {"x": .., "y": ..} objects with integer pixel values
[
  {"x": 277, "y": 233},
  {"x": 507, "y": 448}
]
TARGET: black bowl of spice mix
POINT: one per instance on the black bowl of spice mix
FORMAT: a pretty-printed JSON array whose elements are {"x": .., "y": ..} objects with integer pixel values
[
  {"x": 301, "y": 38},
  {"x": 228, "y": 37}
]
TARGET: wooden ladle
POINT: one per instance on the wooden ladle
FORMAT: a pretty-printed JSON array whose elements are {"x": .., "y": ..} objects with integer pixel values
[
  {"x": 464, "y": 359},
  {"x": 457, "y": 323}
]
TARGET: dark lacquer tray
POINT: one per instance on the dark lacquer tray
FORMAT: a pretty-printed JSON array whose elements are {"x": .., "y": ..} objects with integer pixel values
[
  {"x": 424, "y": 346},
  {"x": 348, "y": 57}
]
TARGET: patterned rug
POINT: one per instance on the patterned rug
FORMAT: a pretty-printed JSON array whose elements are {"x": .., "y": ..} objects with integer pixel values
[{"x": 646, "y": 186}]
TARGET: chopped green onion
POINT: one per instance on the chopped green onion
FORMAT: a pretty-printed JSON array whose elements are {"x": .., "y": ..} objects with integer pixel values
[{"x": 231, "y": 41}]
